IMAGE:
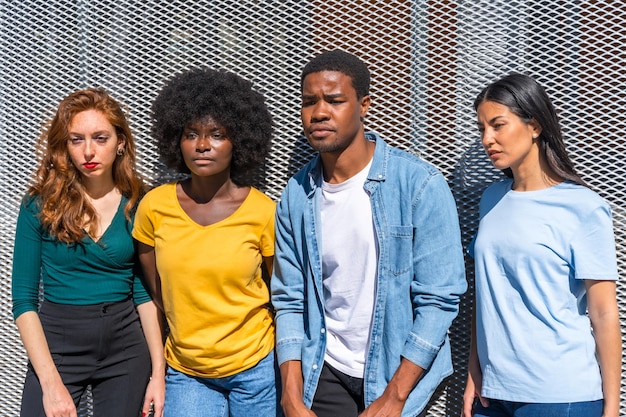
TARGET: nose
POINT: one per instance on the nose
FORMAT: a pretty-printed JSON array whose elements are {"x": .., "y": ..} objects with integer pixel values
[
  {"x": 203, "y": 144},
  {"x": 486, "y": 138},
  {"x": 320, "y": 111},
  {"x": 90, "y": 150}
]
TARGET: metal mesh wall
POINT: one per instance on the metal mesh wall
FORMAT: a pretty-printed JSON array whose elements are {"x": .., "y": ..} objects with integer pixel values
[{"x": 428, "y": 60}]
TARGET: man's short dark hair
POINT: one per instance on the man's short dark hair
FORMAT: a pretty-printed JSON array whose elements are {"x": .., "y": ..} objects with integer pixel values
[{"x": 343, "y": 62}]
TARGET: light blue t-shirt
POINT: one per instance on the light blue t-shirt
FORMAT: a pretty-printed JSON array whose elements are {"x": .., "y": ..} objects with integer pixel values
[{"x": 532, "y": 252}]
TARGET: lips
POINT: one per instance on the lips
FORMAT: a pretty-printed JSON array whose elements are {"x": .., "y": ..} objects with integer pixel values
[
  {"x": 320, "y": 131},
  {"x": 90, "y": 165}
]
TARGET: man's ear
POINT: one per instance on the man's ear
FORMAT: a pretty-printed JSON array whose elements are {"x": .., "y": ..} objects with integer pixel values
[{"x": 365, "y": 105}]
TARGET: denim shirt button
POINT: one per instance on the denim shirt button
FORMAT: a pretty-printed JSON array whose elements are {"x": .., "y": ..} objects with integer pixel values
[
  {"x": 314, "y": 366},
  {"x": 323, "y": 331}
]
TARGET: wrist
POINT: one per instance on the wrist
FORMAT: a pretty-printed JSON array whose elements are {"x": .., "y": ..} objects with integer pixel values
[
  {"x": 50, "y": 381},
  {"x": 396, "y": 392}
]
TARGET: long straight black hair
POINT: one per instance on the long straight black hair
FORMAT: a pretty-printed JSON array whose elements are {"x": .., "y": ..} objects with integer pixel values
[{"x": 529, "y": 101}]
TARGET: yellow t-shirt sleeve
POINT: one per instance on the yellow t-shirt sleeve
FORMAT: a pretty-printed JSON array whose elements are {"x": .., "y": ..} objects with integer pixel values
[
  {"x": 143, "y": 228},
  {"x": 267, "y": 236}
]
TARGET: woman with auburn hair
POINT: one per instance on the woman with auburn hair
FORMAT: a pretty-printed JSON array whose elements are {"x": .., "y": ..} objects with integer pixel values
[{"x": 73, "y": 236}]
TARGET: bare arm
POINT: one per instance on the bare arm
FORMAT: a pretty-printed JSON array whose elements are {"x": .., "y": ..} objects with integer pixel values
[
  {"x": 147, "y": 259},
  {"x": 292, "y": 384},
  {"x": 269, "y": 263},
  {"x": 152, "y": 323},
  {"x": 474, "y": 375},
  {"x": 604, "y": 316},
  {"x": 56, "y": 398},
  {"x": 397, "y": 391}
]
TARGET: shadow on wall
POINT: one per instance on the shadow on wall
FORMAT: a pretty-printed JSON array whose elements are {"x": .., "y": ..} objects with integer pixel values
[
  {"x": 472, "y": 174},
  {"x": 301, "y": 154}
]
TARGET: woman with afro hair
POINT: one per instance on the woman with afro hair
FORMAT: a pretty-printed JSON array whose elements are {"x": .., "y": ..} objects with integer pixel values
[{"x": 206, "y": 244}]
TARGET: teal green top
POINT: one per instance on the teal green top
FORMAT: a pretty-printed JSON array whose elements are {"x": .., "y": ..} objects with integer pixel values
[{"x": 78, "y": 274}]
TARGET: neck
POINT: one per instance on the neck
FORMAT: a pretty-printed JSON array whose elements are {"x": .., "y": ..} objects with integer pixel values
[
  {"x": 343, "y": 165},
  {"x": 96, "y": 189},
  {"x": 535, "y": 178},
  {"x": 205, "y": 189}
]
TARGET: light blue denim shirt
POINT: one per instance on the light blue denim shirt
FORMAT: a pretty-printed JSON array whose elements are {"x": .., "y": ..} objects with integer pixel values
[{"x": 421, "y": 274}]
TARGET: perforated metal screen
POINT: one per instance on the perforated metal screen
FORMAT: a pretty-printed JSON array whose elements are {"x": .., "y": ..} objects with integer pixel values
[{"x": 428, "y": 60}]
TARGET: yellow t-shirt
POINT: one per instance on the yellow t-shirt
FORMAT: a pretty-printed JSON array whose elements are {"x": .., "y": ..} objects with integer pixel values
[{"x": 215, "y": 300}]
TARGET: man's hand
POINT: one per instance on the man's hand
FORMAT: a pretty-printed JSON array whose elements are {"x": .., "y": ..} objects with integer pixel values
[
  {"x": 291, "y": 401},
  {"x": 391, "y": 403},
  {"x": 384, "y": 406},
  {"x": 295, "y": 408}
]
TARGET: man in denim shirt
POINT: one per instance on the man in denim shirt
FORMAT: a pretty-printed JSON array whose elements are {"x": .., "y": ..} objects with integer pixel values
[{"x": 369, "y": 267}]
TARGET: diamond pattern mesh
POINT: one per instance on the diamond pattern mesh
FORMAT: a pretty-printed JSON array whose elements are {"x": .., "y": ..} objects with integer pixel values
[{"x": 428, "y": 61}]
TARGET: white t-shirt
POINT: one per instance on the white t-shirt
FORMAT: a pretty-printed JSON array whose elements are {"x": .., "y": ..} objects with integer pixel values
[
  {"x": 349, "y": 261},
  {"x": 532, "y": 252}
]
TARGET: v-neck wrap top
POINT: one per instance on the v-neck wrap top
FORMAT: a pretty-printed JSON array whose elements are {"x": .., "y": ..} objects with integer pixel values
[{"x": 90, "y": 272}]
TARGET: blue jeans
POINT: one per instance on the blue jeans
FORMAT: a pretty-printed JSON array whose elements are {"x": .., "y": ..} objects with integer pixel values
[
  {"x": 252, "y": 392},
  {"x": 499, "y": 408}
]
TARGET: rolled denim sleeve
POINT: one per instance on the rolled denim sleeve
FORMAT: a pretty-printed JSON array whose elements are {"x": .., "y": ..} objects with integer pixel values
[
  {"x": 287, "y": 285},
  {"x": 438, "y": 270}
]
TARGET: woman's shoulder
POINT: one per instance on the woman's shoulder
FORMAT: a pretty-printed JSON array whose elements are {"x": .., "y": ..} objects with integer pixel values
[
  {"x": 580, "y": 195},
  {"x": 31, "y": 202},
  {"x": 161, "y": 191},
  {"x": 582, "y": 200},
  {"x": 260, "y": 197}
]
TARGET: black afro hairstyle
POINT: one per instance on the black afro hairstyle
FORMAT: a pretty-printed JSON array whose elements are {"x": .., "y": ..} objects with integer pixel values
[
  {"x": 224, "y": 96},
  {"x": 344, "y": 62}
]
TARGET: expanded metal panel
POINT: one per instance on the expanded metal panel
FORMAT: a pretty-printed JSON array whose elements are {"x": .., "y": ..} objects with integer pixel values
[{"x": 428, "y": 60}]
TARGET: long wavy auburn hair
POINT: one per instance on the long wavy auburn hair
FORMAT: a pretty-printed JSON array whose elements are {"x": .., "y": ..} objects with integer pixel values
[{"x": 65, "y": 210}]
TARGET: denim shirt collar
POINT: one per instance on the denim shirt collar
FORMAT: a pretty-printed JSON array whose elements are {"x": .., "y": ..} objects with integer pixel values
[{"x": 378, "y": 170}]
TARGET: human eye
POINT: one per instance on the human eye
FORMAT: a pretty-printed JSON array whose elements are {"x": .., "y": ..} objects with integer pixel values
[
  {"x": 498, "y": 125},
  {"x": 101, "y": 138},
  {"x": 218, "y": 135},
  {"x": 74, "y": 140},
  {"x": 190, "y": 135},
  {"x": 306, "y": 102}
]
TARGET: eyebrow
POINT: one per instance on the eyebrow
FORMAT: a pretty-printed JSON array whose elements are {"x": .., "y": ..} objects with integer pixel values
[
  {"x": 98, "y": 132},
  {"x": 212, "y": 130},
  {"x": 326, "y": 96},
  {"x": 492, "y": 120}
]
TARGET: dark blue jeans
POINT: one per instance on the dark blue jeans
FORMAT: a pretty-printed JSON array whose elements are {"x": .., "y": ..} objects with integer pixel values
[{"x": 499, "y": 408}]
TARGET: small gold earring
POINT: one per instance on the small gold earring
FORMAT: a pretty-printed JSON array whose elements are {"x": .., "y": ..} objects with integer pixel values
[{"x": 120, "y": 151}]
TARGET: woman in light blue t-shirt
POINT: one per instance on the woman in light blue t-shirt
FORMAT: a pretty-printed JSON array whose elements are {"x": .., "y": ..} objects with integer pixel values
[{"x": 546, "y": 271}]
